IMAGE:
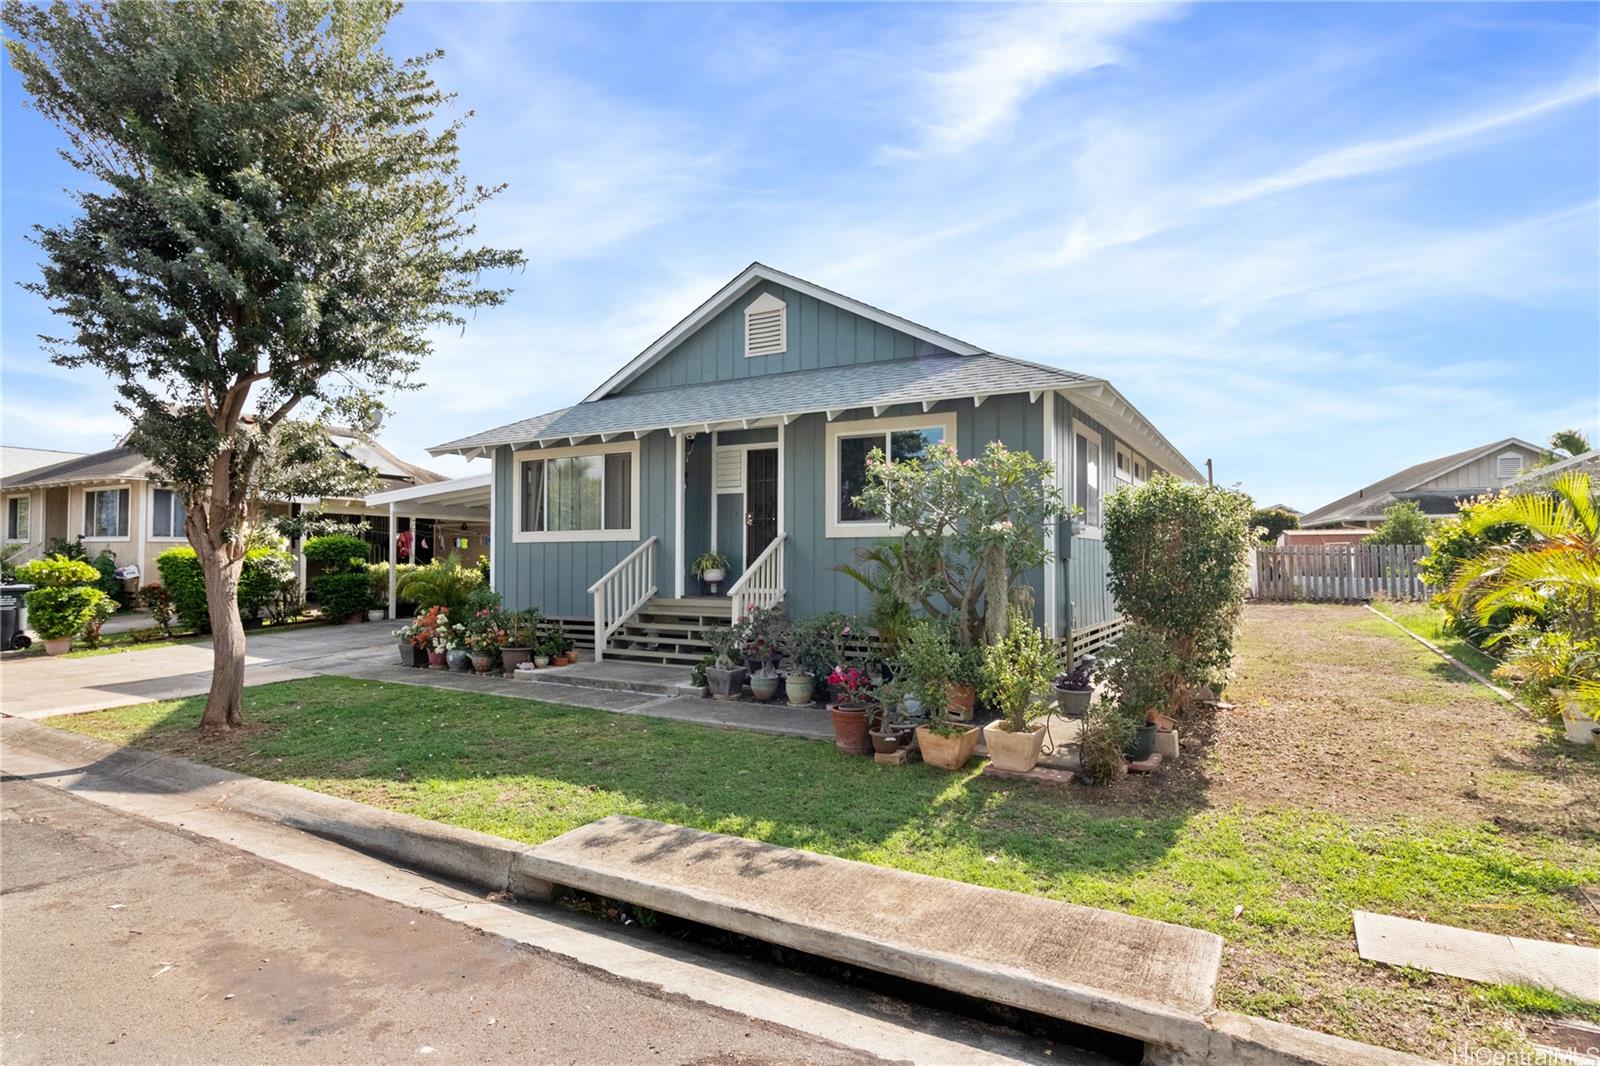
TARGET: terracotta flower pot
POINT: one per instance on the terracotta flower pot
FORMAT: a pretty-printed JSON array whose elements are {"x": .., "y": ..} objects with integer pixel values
[
  {"x": 1018, "y": 752},
  {"x": 947, "y": 752},
  {"x": 850, "y": 729},
  {"x": 436, "y": 660},
  {"x": 959, "y": 699},
  {"x": 58, "y": 646}
]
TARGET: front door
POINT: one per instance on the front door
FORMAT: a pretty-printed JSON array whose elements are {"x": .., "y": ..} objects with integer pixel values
[{"x": 760, "y": 501}]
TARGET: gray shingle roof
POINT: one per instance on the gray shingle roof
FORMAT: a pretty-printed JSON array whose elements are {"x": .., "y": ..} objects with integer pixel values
[
  {"x": 1358, "y": 505},
  {"x": 934, "y": 377},
  {"x": 14, "y": 460},
  {"x": 111, "y": 464}
]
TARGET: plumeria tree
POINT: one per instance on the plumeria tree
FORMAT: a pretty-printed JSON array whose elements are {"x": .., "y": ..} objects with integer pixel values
[{"x": 970, "y": 531}]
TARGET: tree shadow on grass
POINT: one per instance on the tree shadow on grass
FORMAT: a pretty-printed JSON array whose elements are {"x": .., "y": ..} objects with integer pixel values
[{"x": 530, "y": 771}]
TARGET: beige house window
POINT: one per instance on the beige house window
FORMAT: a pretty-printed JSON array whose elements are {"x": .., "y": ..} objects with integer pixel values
[
  {"x": 105, "y": 514},
  {"x": 17, "y": 518}
]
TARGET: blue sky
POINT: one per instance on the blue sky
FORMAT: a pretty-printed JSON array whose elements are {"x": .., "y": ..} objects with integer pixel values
[{"x": 1315, "y": 243}]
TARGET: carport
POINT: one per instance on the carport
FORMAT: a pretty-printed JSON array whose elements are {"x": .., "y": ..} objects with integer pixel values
[{"x": 462, "y": 499}]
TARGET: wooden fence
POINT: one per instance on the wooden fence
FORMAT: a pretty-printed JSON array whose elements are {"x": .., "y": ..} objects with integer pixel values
[{"x": 1337, "y": 573}]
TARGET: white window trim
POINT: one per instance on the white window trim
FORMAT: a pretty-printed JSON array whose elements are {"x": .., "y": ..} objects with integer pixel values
[
  {"x": 27, "y": 536},
  {"x": 152, "y": 509},
  {"x": 83, "y": 523},
  {"x": 834, "y": 529},
  {"x": 1122, "y": 464},
  {"x": 1085, "y": 530},
  {"x": 1136, "y": 460},
  {"x": 584, "y": 536}
]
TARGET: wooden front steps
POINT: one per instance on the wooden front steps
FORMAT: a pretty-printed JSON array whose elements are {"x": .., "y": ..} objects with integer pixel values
[{"x": 667, "y": 630}]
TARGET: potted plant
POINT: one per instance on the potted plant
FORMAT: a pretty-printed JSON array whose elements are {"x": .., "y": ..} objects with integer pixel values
[
  {"x": 485, "y": 635},
  {"x": 697, "y": 676},
  {"x": 522, "y": 631},
  {"x": 456, "y": 655},
  {"x": 725, "y": 677},
  {"x": 1073, "y": 690},
  {"x": 711, "y": 568},
  {"x": 64, "y": 600},
  {"x": 849, "y": 714},
  {"x": 759, "y": 637},
  {"x": 1137, "y": 673},
  {"x": 888, "y": 734},
  {"x": 1016, "y": 673},
  {"x": 414, "y": 637},
  {"x": 541, "y": 653},
  {"x": 805, "y": 655},
  {"x": 961, "y": 693},
  {"x": 925, "y": 667},
  {"x": 561, "y": 650}
]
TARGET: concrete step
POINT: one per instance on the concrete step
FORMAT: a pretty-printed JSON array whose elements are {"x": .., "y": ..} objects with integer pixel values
[
  {"x": 621, "y": 676},
  {"x": 1144, "y": 979}
]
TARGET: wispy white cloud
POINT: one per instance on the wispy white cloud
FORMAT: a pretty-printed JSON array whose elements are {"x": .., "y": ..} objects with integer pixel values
[
  {"x": 1370, "y": 157},
  {"x": 975, "y": 82}
]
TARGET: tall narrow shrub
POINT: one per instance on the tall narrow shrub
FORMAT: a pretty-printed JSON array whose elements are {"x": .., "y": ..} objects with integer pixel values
[{"x": 1179, "y": 567}]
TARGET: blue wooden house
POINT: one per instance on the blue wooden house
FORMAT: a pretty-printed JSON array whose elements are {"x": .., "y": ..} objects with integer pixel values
[{"x": 745, "y": 428}]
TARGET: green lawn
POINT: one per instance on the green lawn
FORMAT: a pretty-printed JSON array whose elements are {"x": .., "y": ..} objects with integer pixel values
[
  {"x": 1428, "y": 622},
  {"x": 1278, "y": 882}
]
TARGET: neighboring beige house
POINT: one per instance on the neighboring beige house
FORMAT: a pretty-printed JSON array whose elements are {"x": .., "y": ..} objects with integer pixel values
[
  {"x": 1437, "y": 485},
  {"x": 114, "y": 501}
]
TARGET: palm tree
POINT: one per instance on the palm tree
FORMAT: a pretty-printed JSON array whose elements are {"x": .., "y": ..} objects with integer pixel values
[
  {"x": 445, "y": 584},
  {"x": 1571, "y": 442}
]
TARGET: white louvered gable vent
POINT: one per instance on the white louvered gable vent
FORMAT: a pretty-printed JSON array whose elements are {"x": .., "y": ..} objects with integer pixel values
[
  {"x": 729, "y": 470},
  {"x": 766, "y": 326},
  {"x": 1508, "y": 465}
]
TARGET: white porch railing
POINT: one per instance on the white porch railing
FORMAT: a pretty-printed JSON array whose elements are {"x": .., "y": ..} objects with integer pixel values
[
  {"x": 761, "y": 585},
  {"x": 624, "y": 589}
]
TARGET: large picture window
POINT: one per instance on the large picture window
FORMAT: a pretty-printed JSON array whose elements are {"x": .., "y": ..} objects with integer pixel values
[
  {"x": 17, "y": 519},
  {"x": 849, "y": 446},
  {"x": 105, "y": 514},
  {"x": 167, "y": 514},
  {"x": 577, "y": 494}
]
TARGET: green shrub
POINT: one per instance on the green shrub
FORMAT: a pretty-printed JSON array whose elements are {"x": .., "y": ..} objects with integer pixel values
[
  {"x": 1403, "y": 523},
  {"x": 1179, "y": 566},
  {"x": 57, "y": 571},
  {"x": 264, "y": 574},
  {"x": 1138, "y": 669},
  {"x": 186, "y": 584},
  {"x": 442, "y": 583},
  {"x": 1453, "y": 542},
  {"x": 337, "y": 554},
  {"x": 157, "y": 599},
  {"x": 261, "y": 580},
  {"x": 1269, "y": 523},
  {"x": 1017, "y": 671},
  {"x": 342, "y": 595},
  {"x": 379, "y": 575},
  {"x": 57, "y": 611}
]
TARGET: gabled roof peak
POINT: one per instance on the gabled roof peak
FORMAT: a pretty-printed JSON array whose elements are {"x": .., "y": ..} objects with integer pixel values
[{"x": 741, "y": 283}]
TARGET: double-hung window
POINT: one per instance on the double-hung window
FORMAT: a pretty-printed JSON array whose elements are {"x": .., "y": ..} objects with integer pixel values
[
  {"x": 1086, "y": 477},
  {"x": 577, "y": 494},
  {"x": 850, "y": 444},
  {"x": 17, "y": 519},
  {"x": 167, "y": 514},
  {"x": 105, "y": 514}
]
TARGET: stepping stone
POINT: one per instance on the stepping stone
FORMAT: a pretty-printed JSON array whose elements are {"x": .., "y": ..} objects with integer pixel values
[
  {"x": 1044, "y": 775},
  {"x": 1571, "y": 969},
  {"x": 1145, "y": 979}
]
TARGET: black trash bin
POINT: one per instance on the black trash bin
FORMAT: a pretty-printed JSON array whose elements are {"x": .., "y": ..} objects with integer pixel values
[{"x": 13, "y": 617}]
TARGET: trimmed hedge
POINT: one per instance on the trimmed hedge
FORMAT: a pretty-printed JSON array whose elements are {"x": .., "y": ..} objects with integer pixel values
[
  {"x": 342, "y": 595},
  {"x": 181, "y": 573},
  {"x": 337, "y": 554}
]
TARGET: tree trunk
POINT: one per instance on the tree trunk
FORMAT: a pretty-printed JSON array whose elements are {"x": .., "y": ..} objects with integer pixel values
[
  {"x": 997, "y": 595},
  {"x": 225, "y": 702}
]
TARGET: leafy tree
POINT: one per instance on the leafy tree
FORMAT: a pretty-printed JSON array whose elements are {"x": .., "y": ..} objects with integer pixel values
[
  {"x": 971, "y": 530},
  {"x": 1403, "y": 523},
  {"x": 273, "y": 219},
  {"x": 442, "y": 583},
  {"x": 1270, "y": 522},
  {"x": 1179, "y": 566}
]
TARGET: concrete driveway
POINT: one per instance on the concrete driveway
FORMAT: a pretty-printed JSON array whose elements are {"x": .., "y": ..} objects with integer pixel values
[{"x": 40, "y": 687}]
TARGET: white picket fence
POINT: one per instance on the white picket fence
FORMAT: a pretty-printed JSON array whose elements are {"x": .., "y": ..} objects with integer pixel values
[{"x": 1337, "y": 573}]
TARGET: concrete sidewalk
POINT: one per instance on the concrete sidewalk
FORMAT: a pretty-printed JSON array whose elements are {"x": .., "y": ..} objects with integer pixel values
[{"x": 40, "y": 687}]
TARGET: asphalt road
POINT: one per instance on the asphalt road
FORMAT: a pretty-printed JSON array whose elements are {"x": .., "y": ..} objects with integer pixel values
[{"x": 125, "y": 941}]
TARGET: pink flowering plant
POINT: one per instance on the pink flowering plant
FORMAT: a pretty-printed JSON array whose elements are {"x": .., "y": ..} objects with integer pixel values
[
  {"x": 850, "y": 685},
  {"x": 969, "y": 531},
  {"x": 485, "y": 631}
]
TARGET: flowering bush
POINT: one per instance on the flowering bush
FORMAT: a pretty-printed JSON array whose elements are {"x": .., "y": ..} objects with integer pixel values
[
  {"x": 431, "y": 630},
  {"x": 486, "y": 631},
  {"x": 849, "y": 684}
]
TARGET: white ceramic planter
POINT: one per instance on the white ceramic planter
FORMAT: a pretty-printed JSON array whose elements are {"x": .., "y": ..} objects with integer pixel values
[{"x": 712, "y": 577}]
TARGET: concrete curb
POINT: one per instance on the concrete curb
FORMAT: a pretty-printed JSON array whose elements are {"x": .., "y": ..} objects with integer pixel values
[{"x": 494, "y": 864}]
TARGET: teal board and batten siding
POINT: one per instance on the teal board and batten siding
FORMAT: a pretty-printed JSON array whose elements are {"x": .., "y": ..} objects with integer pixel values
[
  {"x": 1083, "y": 597},
  {"x": 555, "y": 576},
  {"x": 696, "y": 509},
  {"x": 819, "y": 335},
  {"x": 813, "y": 586}
]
